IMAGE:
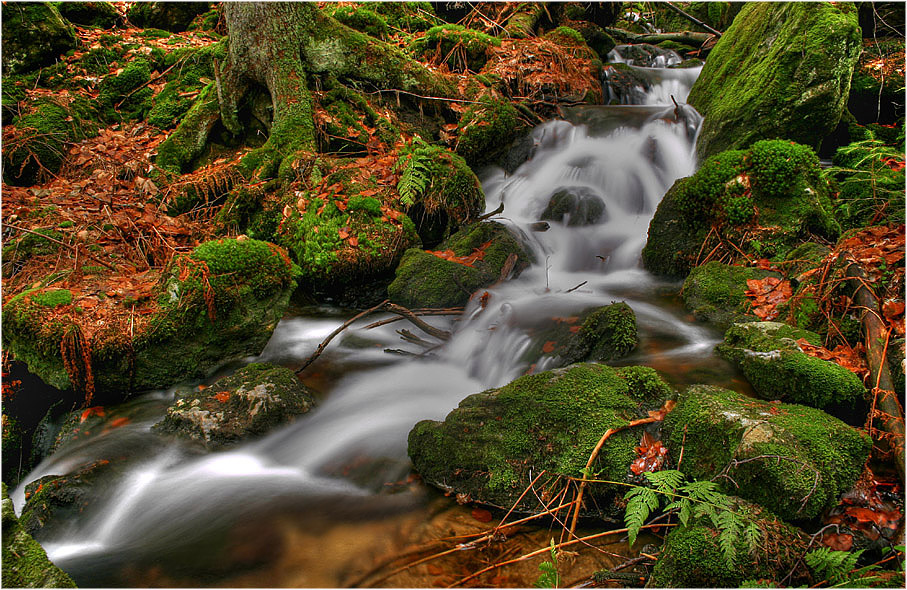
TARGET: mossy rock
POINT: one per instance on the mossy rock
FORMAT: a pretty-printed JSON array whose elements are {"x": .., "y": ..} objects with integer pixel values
[
  {"x": 219, "y": 303},
  {"x": 595, "y": 37},
  {"x": 425, "y": 280},
  {"x": 169, "y": 16},
  {"x": 692, "y": 556},
  {"x": 768, "y": 355},
  {"x": 575, "y": 206},
  {"x": 623, "y": 85},
  {"x": 44, "y": 134},
  {"x": 123, "y": 89},
  {"x": 339, "y": 248},
  {"x": 820, "y": 456},
  {"x": 25, "y": 563},
  {"x": 411, "y": 17},
  {"x": 34, "y": 35},
  {"x": 195, "y": 70},
  {"x": 11, "y": 449},
  {"x": 89, "y": 14},
  {"x": 715, "y": 292},
  {"x": 182, "y": 148},
  {"x": 460, "y": 48},
  {"x": 487, "y": 130},
  {"x": 718, "y": 15},
  {"x": 795, "y": 86},
  {"x": 486, "y": 448},
  {"x": 647, "y": 55},
  {"x": 603, "y": 333},
  {"x": 248, "y": 404},
  {"x": 775, "y": 185},
  {"x": 361, "y": 18}
]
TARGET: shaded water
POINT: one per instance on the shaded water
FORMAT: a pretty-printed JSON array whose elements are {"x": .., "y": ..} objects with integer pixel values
[{"x": 174, "y": 515}]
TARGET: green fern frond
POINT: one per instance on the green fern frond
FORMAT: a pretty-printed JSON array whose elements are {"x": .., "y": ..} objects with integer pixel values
[
  {"x": 641, "y": 502},
  {"x": 666, "y": 481},
  {"x": 834, "y": 566}
]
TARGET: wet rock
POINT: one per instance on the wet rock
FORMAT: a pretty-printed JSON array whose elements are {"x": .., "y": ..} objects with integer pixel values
[
  {"x": 575, "y": 206},
  {"x": 89, "y": 14},
  {"x": 487, "y": 130},
  {"x": 603, "y": 333},
  {"x": 714, "y": 292},
  {"x": 775, "y": 185},
  {"x": 490, "y": 447},
  {"x": 644, "y": 55},
  {"x": 25, "y": 563},
  {"x": 426, "y": 280},
  {"x": 791, "y": 89},
  {"x": 169, "y": 16},
  {"x": 34, "y": 35},
  {"x": 692, "y": 556},
  {"x": 249, "y": 403},
  {"x": 12, "y": 449},
  {"x": 53, "y": 499},
  {"x": 220, "y": 302},
  {"x": 793, "y": 460},
  {"x": 768, "y": 355},
  {"x": 623, "y": 85}
]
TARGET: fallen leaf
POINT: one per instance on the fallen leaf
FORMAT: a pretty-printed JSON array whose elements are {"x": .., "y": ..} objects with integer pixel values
[
  {"x": 549, "y": 346},
  {"x": 481, "y": 515}
]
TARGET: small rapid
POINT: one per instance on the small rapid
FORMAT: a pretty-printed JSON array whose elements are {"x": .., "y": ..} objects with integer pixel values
[{"x": 167, "y": 496}]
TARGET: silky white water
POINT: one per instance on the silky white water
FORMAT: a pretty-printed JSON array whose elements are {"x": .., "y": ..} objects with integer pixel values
[{"x": 171, "y": 496}]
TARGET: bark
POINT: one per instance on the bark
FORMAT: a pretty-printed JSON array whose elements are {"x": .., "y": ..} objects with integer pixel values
[
  {"x": 686, "y": 37},
  {"x": 876, "y": 338}
]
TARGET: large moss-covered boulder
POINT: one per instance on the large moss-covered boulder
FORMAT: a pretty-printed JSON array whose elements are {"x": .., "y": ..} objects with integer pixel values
[
  {"x": 487, "y": 447},
  {"x": 775, "y": 190},
  {"x": 715, "y": 292},
  {"x": 34, "y": 35},
  {"x": 487, "y": 130},
  {"x": 470, "y": 259},
  {"x": 792, "y": 459},
  {"x": 693, "y": 558},
  {"x": 25, "y": 563},
  {"x": 169, "y": 16},
  {"x": 89, "y": 14},
  {"x": 781, "y": 70},
  {"x": 769, "y": 357},
  {"x": 460, "y": 48},
  {"x": 219, "y": 303},
  {"x": 247, "y": 404}
]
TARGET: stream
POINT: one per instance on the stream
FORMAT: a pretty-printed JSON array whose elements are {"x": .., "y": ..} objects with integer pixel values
[{"x": 329, "y": 492}]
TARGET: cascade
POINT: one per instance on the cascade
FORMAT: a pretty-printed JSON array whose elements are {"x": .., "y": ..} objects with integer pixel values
[{"x": 619, "y": 159}]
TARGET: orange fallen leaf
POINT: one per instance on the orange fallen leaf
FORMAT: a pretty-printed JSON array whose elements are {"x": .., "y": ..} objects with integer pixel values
[
  {"x": 117, "y": 422},
  {"x": 549, "y": 346},
  {"x": 481, "y": 515},
  {"x": 222, "y": 396},
  {"x": 93, "y": 411}
]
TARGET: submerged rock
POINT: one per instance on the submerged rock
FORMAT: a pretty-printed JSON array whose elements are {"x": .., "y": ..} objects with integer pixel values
[
  {"x": 34, "y": 35},
  {"x": 693, "y": 558},
  {"x": 486, "y": 449},
  {"x": 249, "y": 403},
  {"x": 575, "y": 206},
  {"x": 603, "y": 333},
  {"x": 220, "y": 302},
  {"x": 715, "y": 292},
  {"x": 775, "y": 188},
  {"x": 791, "y": 459},
  {"x": 768, "y": 355},
  {"x": 780, "y": 70},
  {"x": 427, "y": 280},
  {"x": 25, "y": 563}
]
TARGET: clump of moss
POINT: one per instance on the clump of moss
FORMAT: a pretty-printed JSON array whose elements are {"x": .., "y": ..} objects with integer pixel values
[
  {"x": 693, "y": 558},
  {"x": 362, "y": 19},
  {"x": 769, "y": 357},
  {"x": 715, "y": 292},
  {"x": 34, "y": 35},
  {"x": 425, "y": 280},
  {"x": 412, "y": 17},
  {"x": 608, "y": 333},
  {"x": 565, "y": 36},
  {"x": 714, "y": 426},
  {"x": 89, "y": 14},
  {"x": 196, "y": 69},
  {"x": 487, "y": 447},
  {"x": 460, "y": 48},
  {"x": 53, "y": 297},
  {"x": 486, "y": 131},
  {"x": 870, "y": 189},
  {"x": 122, "y": 90}
]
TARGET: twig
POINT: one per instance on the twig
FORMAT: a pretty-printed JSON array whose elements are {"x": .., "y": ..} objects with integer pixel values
[
  {"x": 448, "y": 311},
  {"x": 576, "y": 287},
  {"x": 425, "y": 97},
  {"x": 155, "y": 79},
  {"x": 425, "y": 327},
  {"x": 56, "y": 241},
  {"x": 497, "y": 211},
  {"x": 342, "y": 327},
  {"x": 592, "y": 457}
]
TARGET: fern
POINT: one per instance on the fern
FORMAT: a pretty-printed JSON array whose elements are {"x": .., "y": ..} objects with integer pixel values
[
  {"x": 837, "y": 567},
  {"x": 415, "y": 175},
  {"x": 549, "y": 577}
]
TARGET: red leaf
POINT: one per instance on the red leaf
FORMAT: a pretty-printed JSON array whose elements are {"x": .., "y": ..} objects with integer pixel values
[
  {"x": 549, "y": 347},
  {"x": 481, "y": 515},
  {"x": 94, "y": 411},
  {"x": 222, "y": 397}
]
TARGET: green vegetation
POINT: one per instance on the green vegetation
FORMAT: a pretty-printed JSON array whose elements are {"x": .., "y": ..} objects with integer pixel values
[
  {"x": 460, "y": 48},
  {"x": 715, "y": 292},
  {"x": 487, "y": 130}
]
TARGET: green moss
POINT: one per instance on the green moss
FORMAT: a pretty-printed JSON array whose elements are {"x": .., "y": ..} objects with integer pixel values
[
  {"x": 460, "y": 48},
  {"x": 411, "y": 17},
  {"x": 565, "y": 35},
  {"x": 195, "y": 69},
  {"x": 487, "y": 130},
  {"x": 53, "y": 297},
  {"x": 795, "y": 87},
  {"x": 122, "y": 90},
  {"x": 693, "y": 558},
  {"x": 90, "y": 14},
  {"x": 34, "y": 35},
  {"x": 183, "y": 146},
  {"x": 767, "y": 354},
  {"x": 362, "y": 19},
  {"x": 425, "y": 280},
  {"x": 715, "y": 426},
  {"x": 25, "y": 563},
  {"x": 715, "y": 292},
  {"x": 487, "y": 447},
  {"x": 609, "y": 332}
]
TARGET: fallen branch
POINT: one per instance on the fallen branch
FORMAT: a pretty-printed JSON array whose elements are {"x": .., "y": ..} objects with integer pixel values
[
  {"x": 447, "y": 311},
  {"x": 693, "y": 19},
  {"x": 343, "y": 326},
  {"x": 875, "y": 335},
  {"x": 497, "y": 211},
  {"x": 64, "y": 244},
  {"x": 685, "y": 37},
  {"x": 424, "y": 326},
  {"x": 592, "y": 458}
]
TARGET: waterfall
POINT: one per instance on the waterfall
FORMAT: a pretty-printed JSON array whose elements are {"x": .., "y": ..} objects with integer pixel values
[{"x": 172, "y": 496}]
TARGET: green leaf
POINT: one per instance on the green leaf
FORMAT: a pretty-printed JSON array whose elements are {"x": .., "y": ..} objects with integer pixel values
[{"x": 641, "y": 503}]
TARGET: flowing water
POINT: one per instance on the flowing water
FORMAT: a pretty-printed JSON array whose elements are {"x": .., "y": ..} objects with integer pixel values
[{"x": 172, "y": 514}]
